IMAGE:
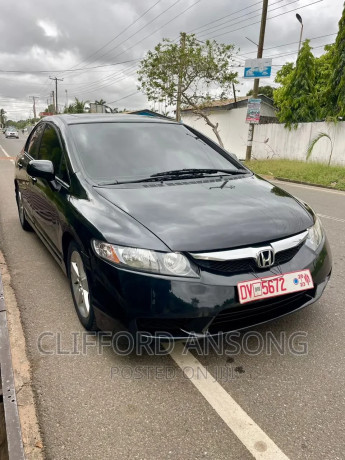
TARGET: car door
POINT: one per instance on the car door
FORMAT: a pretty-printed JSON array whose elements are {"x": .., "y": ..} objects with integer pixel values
[
  {"x": 51, "y": 197},
  {"x": 24, "y": 181}
]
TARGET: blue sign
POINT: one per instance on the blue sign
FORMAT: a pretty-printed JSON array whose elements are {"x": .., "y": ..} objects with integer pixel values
[{"x": 257, "y": 68}]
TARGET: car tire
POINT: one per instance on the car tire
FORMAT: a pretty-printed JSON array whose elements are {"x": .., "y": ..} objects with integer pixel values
[
  {"x": 80, "y": 289},
  {"x": 21, "y": 212}
]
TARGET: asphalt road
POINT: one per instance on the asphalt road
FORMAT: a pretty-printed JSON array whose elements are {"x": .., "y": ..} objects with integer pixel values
[{"x": 104, "y": 405}]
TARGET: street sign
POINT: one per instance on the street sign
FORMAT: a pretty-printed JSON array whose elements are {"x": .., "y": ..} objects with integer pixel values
[
  {"x": 253, "y": 111},
  {"x": 257, "y": 68}
]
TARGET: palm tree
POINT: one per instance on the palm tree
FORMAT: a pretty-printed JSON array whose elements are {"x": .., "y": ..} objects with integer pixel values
[
  {"x": 100, "y": 102},
  {"x": 76, "y": 107},
  {"x": 315, "y": 141}
]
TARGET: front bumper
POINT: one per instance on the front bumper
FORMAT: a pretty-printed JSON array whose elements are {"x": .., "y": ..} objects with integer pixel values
[{"x": 153, "y": 305}]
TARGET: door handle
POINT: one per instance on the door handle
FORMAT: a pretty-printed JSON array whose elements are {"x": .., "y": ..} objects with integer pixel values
[
  {"x": 20, "y": 165},
  {"x": 33, "y": 179}
]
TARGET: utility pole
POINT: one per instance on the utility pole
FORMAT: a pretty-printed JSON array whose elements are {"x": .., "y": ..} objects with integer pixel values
[
  {"x": 256, "y": 81},
  {"x": 56, "y": 92},
  {"x": 34, "y": 104},
  {"x": 180, "y": 75},
  {"x": 234, "y": 91}
]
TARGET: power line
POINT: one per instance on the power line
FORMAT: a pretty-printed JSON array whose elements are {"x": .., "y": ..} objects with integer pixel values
[
  {"x": 151, "y": 33},
  {"x": 68, "y": 70},
  {"x": 288, "y": 44},
  {"x": 124, "y": 97},
  {"x": 230, "y": 21},
  {"x": 294, "y": 52},
  {"x": 247, "y": 19},
  {"x": 159, "y": 28},
  {"x": 272, "y": 17},
  {"x": 135, "y": 33},
  {"x": 120, "y": 33},
  {"x": 107, "y": 81},
  {"x": 223, "y": 17}
]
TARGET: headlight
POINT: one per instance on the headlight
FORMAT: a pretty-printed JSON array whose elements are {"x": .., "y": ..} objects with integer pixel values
[
  {"x": 315, "y": 234},
  {"x": 163, "y": 263}
]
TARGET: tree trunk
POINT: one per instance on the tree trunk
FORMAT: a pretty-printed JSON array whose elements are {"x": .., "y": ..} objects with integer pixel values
[{"x": 214, "y": 126}]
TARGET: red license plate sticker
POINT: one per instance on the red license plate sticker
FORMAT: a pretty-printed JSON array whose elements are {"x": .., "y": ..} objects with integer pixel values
[{"x": 272, "y": 286}]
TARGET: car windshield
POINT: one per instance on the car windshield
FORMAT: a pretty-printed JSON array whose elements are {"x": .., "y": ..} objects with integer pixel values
[{"x": 122, "y": 152}]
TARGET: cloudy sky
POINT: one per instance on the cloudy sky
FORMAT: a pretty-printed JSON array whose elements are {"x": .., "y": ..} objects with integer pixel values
[{"x": 95, "y": 47}]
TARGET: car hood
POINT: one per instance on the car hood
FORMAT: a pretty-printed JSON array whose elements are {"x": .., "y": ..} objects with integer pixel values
[{"x": 195, "y": 215}]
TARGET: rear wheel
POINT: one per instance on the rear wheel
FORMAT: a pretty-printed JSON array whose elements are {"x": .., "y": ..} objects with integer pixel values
[
  {"x": 80, "y": 288},
  {"x": 21, "y": 212}
]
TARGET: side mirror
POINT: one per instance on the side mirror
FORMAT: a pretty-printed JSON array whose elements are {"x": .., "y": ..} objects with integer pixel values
[{"x": 41, "y": 168}]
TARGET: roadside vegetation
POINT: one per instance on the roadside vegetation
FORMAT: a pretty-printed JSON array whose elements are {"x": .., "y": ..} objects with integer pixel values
[{"x": 311, "y": 173}]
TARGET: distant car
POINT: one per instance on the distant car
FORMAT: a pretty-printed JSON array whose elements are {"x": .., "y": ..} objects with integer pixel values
[{"x": 11, "y": 133}]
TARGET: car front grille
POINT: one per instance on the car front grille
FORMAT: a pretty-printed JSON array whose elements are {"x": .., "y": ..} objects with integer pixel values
[
  {"x": 245, "y": 265},
  {"x": 244, "y": 316}
]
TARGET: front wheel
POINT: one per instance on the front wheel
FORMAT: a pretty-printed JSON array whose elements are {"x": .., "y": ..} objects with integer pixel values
[
  {"x": 80, "y": 288},
  {"x": 21, "y": 212}
]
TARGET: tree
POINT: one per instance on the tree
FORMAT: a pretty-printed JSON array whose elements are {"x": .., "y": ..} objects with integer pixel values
[
  {"x": 324, "y": 70},
  {"x": 297, "y": 99},
  {"x": 337, "y": 81},
  {"x": 50, "y": 108},
  {"x": 266, "y": 90},
  {"x": 76, "y": 107},
  {"x": 192, "y": 73},
  {"x": 2, "y": 117},
  {"x": 100, "y": 102},
  {"x": 283, "y": 77}
]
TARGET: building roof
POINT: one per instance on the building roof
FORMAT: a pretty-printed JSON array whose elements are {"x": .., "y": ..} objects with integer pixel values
[{"x": 227, "y": 104}]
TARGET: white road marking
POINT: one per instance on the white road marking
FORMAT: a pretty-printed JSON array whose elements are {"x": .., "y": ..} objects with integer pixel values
[
  {"x": 310, "y": 187},
  {"x": 9, "y": 156},
  {"x": 337, "y": 219},
  {"x": 247, "y": 431}
]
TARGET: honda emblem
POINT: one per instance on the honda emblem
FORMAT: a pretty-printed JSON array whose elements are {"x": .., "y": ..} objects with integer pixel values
[{"x": 265, "y": 258}]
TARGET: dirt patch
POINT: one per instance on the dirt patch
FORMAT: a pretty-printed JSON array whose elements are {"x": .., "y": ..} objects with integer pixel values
[{"x": 22, "y": 372}]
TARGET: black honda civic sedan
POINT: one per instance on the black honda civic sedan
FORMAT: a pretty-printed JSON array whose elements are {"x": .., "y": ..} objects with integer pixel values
[{"x": 160, "y": 230}]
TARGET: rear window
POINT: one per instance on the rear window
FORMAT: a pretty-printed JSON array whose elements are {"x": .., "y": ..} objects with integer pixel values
[{"x": 131, "y": 151}]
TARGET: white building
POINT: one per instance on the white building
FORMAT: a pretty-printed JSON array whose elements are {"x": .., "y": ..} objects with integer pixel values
[{"x": 231, "y": 118}]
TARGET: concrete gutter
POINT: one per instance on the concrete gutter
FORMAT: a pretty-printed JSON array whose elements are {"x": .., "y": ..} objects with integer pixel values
[{"x": 12, "y": 444}]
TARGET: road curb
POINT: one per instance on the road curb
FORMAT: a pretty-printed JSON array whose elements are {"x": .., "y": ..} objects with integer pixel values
[
  {"x": 310, "y": 184},
  {"x": 26, "y": 408}
]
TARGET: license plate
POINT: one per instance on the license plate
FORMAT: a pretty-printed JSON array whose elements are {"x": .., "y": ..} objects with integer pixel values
[{"x": 272, "y": 286}]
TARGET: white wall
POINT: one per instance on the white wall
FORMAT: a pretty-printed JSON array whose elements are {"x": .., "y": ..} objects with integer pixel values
[
  {"x": 233, "y": 128},
  {"x": 293, "y": 144}
]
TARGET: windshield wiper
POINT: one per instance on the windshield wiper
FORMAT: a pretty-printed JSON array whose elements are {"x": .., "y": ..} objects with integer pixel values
[
  {"x": 145, "y": 179},
  {"x": 196, "y": 171},
  {"x": 170, "y": 175}
]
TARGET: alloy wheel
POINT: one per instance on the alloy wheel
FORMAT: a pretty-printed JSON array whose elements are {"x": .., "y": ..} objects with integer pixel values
[{"x": 79, "y": 284}]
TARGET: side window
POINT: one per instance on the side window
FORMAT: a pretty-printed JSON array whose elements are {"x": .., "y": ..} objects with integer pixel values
[
  {"x": 63, "y": 172},
  {"x": 34, "y": 141},
  {"x": 51, "y": 150}
]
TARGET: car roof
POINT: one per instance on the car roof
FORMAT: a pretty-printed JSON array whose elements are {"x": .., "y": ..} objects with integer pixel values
[{"x": 77, "y": 118}]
